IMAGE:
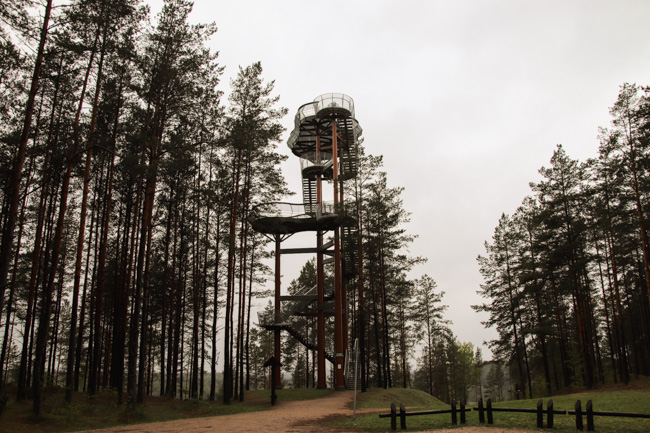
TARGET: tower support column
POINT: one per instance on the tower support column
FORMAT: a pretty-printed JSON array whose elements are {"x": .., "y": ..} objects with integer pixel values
[
  {"x": 339, "y": 377},
  {"x": 320, "y": 318},
  {"x": 320, "y": 281},
  {"x": 278, "y": 318}
]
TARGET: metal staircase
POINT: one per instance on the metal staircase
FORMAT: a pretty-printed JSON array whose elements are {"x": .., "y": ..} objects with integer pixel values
[
  {"x": 349, "y": 235},
  {"x": 305, "y": 341},
  {"x": 349, "y": 152},
  {"x": 286, "y": 322},
  {"x": 266, "y": 321},
  {"x": 309, "y": 195},
  {"x": 352, "y": 369},
  {"x": 301, "y": 300}
]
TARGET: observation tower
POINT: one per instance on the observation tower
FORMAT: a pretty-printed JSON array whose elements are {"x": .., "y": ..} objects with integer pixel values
[{"x": 325, "y": 138}]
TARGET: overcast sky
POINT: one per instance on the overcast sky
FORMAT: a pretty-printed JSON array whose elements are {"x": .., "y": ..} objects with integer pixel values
[{"x": 465, "y": 100}]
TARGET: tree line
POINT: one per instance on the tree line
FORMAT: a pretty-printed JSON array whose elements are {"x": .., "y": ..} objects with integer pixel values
[
  {"x": 567, "y": 276},
  {"x": 127, "y": 184},
  {"x": 127, "y": 259}
]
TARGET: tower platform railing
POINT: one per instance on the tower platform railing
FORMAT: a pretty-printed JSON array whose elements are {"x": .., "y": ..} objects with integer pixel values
[
  {"x": 315, "y": 163},
  {"x": 339, "y": 101},
  {"x": 295, "y": 210},
  {"x": 324, "y": 103}
]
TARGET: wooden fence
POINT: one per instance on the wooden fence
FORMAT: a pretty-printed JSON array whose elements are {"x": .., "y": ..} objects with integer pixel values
[{"x": 488, "y": 412}]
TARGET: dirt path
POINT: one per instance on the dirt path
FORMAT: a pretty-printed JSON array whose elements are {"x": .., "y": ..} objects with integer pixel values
[{"x": 291, "y": 416}]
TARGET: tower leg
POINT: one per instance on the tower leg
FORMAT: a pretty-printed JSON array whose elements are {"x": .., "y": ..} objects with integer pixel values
[
  {"x": 320, "y": 325},
  {"x": 339, "y": 379},
  {"x": 344, "y": 322},
  {"x": 339, "y": 376},
  {"x": 276, "y": 368},
  {"x": 278, "y": 319},
  {"x": 344, "y": 287}
]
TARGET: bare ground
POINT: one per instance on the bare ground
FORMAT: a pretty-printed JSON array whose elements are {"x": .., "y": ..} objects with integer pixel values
[{"x": 290, "y": 416}]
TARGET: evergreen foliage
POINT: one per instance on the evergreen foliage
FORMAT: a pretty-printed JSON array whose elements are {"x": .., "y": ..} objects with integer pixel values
[
  {"x": 126, "y": 192},
  {"x": 566, "y": 278}
]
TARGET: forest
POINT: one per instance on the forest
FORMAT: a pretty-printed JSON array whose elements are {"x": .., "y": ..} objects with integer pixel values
[
  {"x": 129, "y": 175},
  {"x": 567, "y": 276},
  {"x": 127, "y": 260}
]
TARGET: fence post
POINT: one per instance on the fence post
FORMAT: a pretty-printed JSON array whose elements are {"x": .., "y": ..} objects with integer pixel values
[
  {"x": 462, "y": 412},
  {"x": 540, "y": 413},
  {"x": 590, "y": 416},
  {"x": 481, "y": 414},
  {"x": 402, "y": 417},
  {"x": 579, "y": 425},
  {"x": 393, "y": 417},
  {"x": 454, "y": 418},
  {"x": 549, "y": 414},
  {"x": 490, "y": 419}
]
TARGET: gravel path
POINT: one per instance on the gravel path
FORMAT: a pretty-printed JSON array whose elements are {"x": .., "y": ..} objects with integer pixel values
[{"x": 288, "y": 416}]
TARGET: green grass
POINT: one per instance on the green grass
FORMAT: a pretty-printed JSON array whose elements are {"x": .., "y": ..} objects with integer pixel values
[
  {"x": 102, "y": 411},
  {"x": 635, "y": 398},
  {"x": 617, "y": 401},
  {"x": 382, "y": 398}
]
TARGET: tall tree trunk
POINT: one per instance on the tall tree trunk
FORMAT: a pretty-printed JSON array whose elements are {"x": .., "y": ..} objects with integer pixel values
[
  {"x": 559, "y": 318},
  {"x": 215, "y": 314},
  {"x": 80, "y": 244},
  {"x": 623, "y": 363},
  {"x": 17, "y": 171},
  {"x": 248, "y": 316},
  {"x": 41, "y": 339},
  {"x": 12, "y": 288},
  {"x": 377, "y": 332},
  {"x": 645, "y": 244},
  {"x": 242, "y": 275},
  {"x": 142, "y": 362},
  {"x": 513, "y": 320},
  {"x": 135, "y": 385},
  {"x": 173, "y": 306},
  {"x": 384, "y": 316},
  {"x": 57, "y": 320},
  {"x": 196, "y": 286},
  {"x": 204, "y": 298},
  {"x": 361, "y": 281},
  {"x": 228, "y": 373},
  {"x": 38, "y": 241},
  {"x": 46, "y": 301},
  {"x": 165, "y": 281},
  {"x": 610, "y": 337},
  {"x": 180, "y": 289}
]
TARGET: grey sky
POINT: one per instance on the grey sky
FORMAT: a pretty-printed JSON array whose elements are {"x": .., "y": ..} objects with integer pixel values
[{"x": 465, "y": 100}]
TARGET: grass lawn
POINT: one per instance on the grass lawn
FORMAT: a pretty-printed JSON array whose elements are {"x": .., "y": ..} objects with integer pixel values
[
  {"x": 101, "y": 411},
  {"x": 632, "y": 398}
]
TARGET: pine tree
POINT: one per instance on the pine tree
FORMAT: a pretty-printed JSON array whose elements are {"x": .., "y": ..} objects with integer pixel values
[
  {"x": 17, "y": 171},
  {"x": 252, "y": 125},
  {"x": 430, "y": 325}
]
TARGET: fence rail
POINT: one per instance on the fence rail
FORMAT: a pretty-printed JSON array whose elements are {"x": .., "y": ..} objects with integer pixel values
[
  {"x": 488, "y": 411},
  {"x": 403, "y": 414}
]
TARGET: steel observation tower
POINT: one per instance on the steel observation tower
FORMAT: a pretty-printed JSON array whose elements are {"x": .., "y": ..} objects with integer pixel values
[{"x": 325, "y": 138}]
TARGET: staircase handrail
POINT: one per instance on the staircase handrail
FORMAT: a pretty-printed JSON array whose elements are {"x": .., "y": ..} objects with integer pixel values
[
  {"x": 268, "y": 318},
  {"x": 304, "y": 111},
  {"x": 306, "y": 291}
]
